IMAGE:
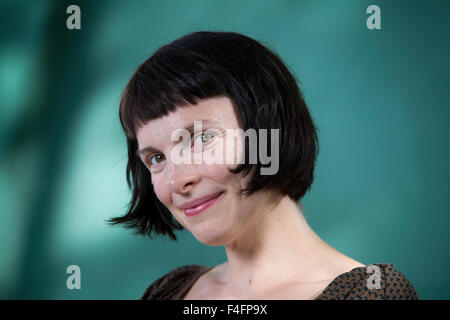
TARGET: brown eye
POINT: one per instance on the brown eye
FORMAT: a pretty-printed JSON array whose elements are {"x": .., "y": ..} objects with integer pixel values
[{"x": 156, "y": 159}]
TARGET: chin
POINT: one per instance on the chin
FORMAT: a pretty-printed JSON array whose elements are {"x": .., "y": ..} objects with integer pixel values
[{"x": 211, "y": 238}]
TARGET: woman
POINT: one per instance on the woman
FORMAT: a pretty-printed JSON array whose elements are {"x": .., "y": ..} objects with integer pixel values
[{"x": 231, "y": 83}]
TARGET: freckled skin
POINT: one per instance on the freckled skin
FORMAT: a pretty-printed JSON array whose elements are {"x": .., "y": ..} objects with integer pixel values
[{"x": 176, "y": 184}]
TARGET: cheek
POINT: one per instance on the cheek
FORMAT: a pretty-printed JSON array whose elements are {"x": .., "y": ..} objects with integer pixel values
[
  {"x": 163, "y": 194},
  {"x": 220, "y": 174},
  {"x": 216, "y": 172}
]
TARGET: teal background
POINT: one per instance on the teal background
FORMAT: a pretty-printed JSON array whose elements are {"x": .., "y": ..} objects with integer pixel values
[{"x": 379, "y": 97}]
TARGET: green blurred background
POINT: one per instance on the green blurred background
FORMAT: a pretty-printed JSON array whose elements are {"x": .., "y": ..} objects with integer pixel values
[{"x": 379, "y": 97}]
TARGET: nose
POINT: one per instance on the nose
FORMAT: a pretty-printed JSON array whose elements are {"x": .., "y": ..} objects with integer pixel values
[{"x": 182, "y": 178}]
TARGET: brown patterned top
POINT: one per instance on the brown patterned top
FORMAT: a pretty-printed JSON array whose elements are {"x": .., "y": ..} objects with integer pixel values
[{"x": 351, "y": 285}]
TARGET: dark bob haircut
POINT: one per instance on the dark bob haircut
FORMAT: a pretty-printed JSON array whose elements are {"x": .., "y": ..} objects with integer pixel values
[{"x": 205, "y": 65}]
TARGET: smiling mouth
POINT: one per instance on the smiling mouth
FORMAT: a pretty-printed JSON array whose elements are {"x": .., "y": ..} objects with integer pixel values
[{"x": 202, "y": 207}]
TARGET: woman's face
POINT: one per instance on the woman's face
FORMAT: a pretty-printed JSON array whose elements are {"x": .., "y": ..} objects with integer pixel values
[{"x": 226, "y": 215}]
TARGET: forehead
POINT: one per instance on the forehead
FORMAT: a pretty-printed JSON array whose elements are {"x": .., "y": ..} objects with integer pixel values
[{"x": 215, "y": 112}]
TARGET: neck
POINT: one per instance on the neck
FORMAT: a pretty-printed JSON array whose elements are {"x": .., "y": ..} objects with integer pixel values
[{"x": 276, "y": 247}]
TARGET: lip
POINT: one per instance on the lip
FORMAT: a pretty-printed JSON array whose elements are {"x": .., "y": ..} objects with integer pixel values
[{"x": 199, "y": 205}]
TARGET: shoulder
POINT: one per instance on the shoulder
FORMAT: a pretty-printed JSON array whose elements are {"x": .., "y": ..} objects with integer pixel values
[
  {"x": 396, "y": 285},
  {"x": 379, "y": 281},
  {"x": 165, "y": 287}
]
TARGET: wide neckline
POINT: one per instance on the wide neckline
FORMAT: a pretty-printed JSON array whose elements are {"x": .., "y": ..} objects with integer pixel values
[{"x": 185, "y": 290}]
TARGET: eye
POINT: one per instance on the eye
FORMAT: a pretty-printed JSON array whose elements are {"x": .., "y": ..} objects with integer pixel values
[
  {"x": 156, "y": 159},
  {"x": 205, "y": 137}
]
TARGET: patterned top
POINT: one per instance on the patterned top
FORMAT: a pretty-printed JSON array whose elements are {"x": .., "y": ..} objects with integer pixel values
[{"x": 356, "y": 284}]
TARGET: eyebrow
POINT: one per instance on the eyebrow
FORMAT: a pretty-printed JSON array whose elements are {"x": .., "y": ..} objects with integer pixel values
[{"x": 189, "y": 128}]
